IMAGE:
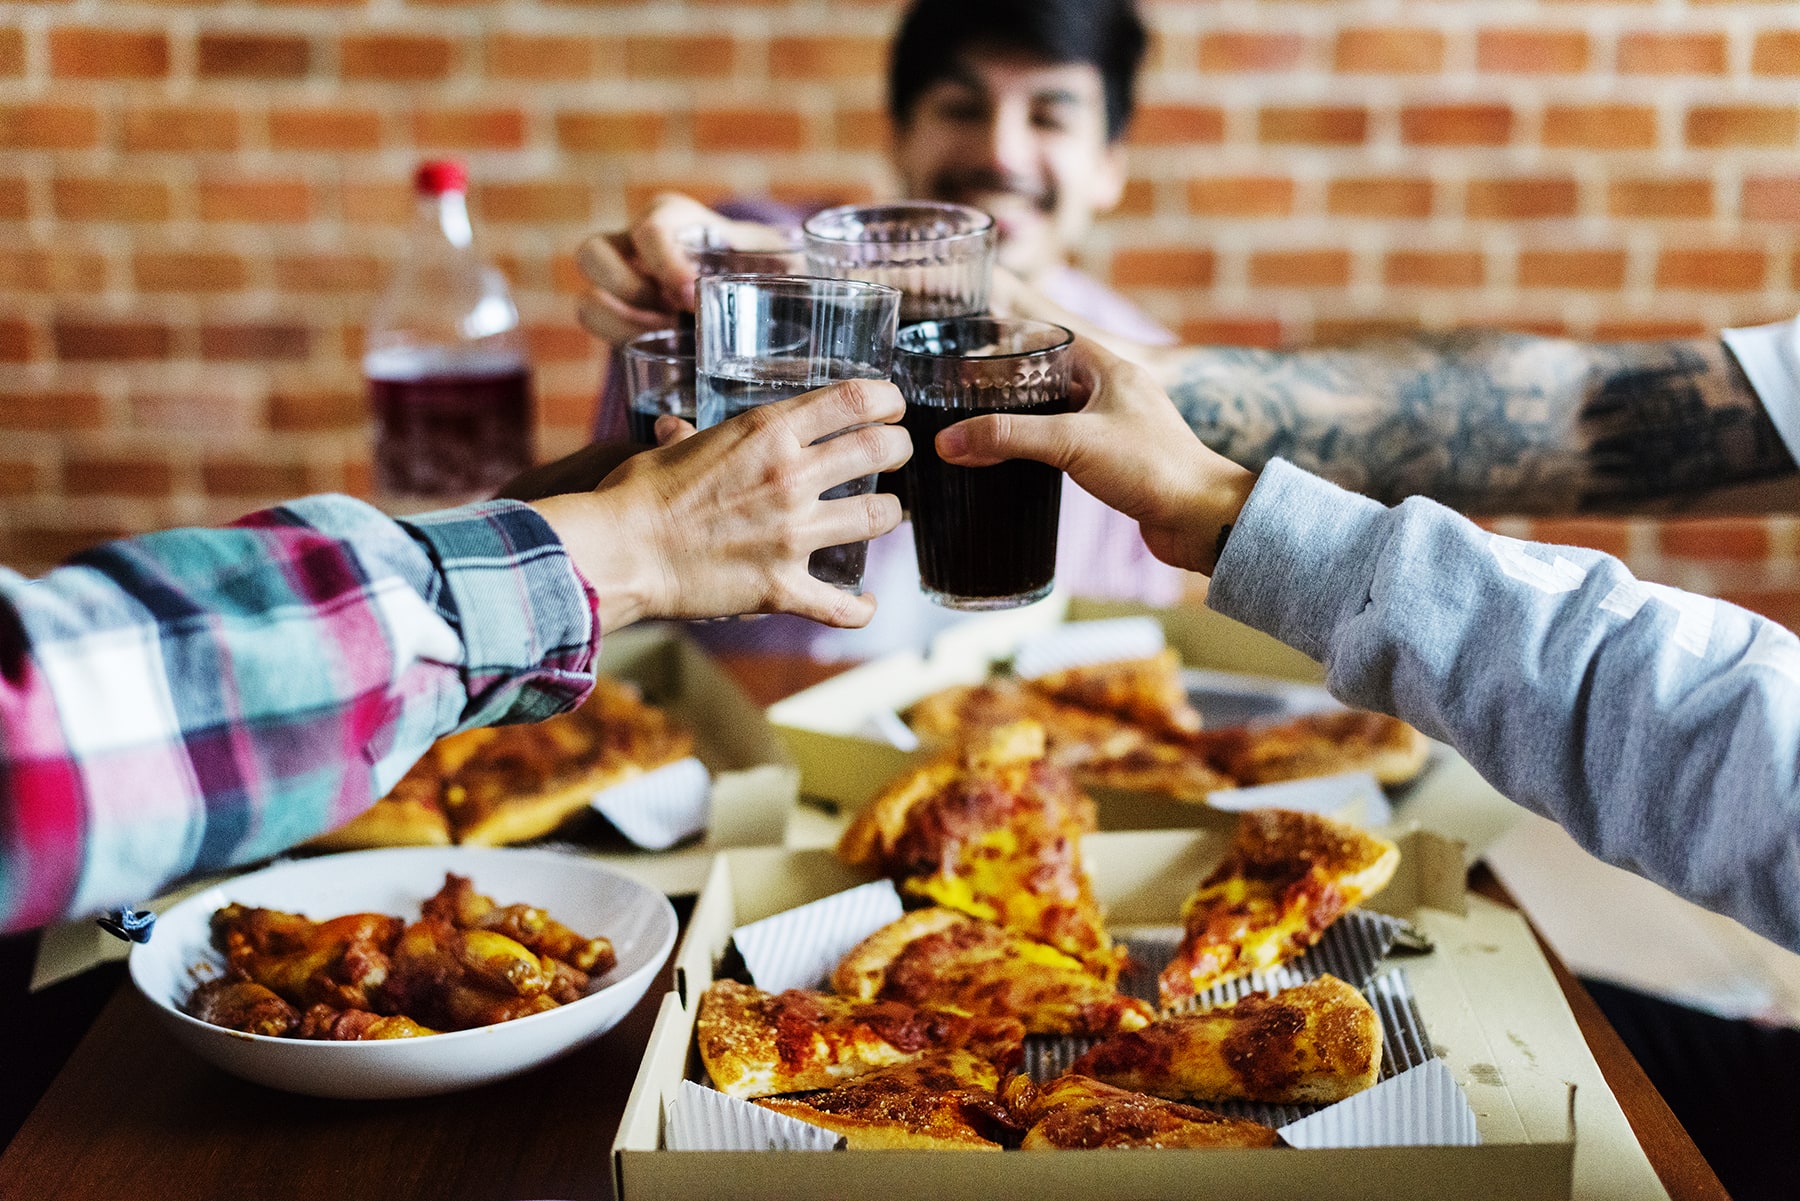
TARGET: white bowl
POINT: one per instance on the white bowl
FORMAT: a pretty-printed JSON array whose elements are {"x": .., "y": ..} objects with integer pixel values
[{"x": 577, "y": 892}]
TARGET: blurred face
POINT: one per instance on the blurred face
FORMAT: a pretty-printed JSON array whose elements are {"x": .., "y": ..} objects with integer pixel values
[{"x": 1023, "y": 140}]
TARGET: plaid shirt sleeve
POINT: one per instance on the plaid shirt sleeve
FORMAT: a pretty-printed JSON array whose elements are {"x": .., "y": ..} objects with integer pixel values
[{"x": 197, "y": 698}]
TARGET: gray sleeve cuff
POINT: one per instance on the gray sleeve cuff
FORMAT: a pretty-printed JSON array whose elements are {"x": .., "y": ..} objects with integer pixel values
[
  {"x": 1770, "y": 358},
  {"x": 1300, "y": 559}
]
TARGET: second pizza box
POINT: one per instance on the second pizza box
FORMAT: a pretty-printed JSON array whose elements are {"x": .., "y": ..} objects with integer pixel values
[
  {"x": 1491, "y": 1008},
  {"x": 841, "y": 732}
]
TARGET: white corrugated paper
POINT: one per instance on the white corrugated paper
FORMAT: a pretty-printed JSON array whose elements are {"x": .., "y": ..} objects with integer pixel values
[
  {"x": 1421, "y": 1107},
  {"x": 884, "y": 725},
  {"x": 660, "y": 808},
  {"x": 698, "y": 1118},
  {"x": 1354, "y": 796},
  {"x": 1085, "y": 643},
  {"x": 799, "y": 947}
]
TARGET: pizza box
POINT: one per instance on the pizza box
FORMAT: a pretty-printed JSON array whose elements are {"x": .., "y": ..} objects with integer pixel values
[
  {"x": 1493, "y": 1011},
  {"x": 755, "y": 786},
  {"x": 840, "y": 732}
]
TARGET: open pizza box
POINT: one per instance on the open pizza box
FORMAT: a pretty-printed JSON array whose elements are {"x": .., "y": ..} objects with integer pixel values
[
  {"x": 1495, "y": 1023},
  {"x": 745, "y": 796},
  {"x": 849, "y": 741}
]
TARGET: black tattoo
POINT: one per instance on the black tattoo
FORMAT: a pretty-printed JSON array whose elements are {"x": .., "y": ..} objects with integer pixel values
[{"x": 1490, "y": 422}]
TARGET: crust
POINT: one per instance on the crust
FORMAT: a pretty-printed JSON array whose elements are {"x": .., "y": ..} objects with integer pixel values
[
  {"x": 1077, "y": 1113},
  {"x": 389, "y": 822},
  {"x": 1320, "y": 744},
  {"x": 942, "y": 1102},
  {"x": 863, "y": 972},
  {"x": 1146, "y": 692}
]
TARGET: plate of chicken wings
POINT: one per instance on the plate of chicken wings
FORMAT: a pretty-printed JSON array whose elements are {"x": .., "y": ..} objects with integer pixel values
[{"x": 405, "y": 972}]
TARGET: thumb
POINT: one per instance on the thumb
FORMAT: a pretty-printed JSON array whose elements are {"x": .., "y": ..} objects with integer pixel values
[
  {"x": 671, "y": 429},
  {"x": 995, "y": 437}
]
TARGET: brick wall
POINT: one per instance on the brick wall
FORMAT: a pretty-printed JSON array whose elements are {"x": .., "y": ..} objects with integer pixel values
[{"x": 199, "y": 201}]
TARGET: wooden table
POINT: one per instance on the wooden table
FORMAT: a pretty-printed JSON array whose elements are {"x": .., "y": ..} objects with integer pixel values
[{"x": 134, "y": 1116}]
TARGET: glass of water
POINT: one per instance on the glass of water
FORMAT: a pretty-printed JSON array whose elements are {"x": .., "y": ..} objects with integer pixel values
[
  {"x": 764, "y": 338},
  {"x": 940, "y": 255},
  {"x": 659, "y": 377}
]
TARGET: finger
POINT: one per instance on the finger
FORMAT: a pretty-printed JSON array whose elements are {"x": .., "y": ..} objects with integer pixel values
[
  {"x": 807, "y": 597},
  {"x": 605, "y": 261},
  {"x": 659, "y": 253},
  {"x": 615, "y": 322},
  {"x": 854, "y": 519},
  {"x": 671, "y": 429},
  {"x": 861, "y": 452},
  {"x": 826, "y": 411},
  {"x": 996, "y": 437}
]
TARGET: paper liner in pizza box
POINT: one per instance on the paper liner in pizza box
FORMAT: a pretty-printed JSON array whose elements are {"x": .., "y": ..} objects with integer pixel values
[
  {"x": 698, "y": 1118},
  {"x": 1086, "y": 643},
  {"x": 662, "y": 807},
  {"x": 798, "y": 948}
]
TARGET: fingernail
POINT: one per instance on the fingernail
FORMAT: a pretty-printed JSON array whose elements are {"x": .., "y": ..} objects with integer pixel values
[{"x": 953, "y": 443}]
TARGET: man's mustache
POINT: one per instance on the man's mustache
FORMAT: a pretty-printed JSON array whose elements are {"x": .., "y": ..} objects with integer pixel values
[{"x": 980, "y": 181}]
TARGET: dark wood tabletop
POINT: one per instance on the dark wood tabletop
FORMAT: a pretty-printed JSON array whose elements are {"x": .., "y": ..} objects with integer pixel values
[{"x": 135, "y": 1117}]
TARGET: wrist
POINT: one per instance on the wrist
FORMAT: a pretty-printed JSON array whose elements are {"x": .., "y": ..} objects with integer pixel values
[
  {"x": 616, "y": 557},
  {"x": 1216, "y": 509}
]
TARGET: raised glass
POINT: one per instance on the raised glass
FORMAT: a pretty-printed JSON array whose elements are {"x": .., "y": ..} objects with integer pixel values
[
  {"x": 659, "y": 376},
  {"x": 940, "y": 255}
]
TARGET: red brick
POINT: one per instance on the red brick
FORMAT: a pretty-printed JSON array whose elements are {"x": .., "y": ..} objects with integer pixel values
[
  {"x": 470, "y": 129},
  {"x": 1177, "y": 125},
  {"x": 325, "y": 129},
  {"x": 1389, "y": 51},
  {"x": 245, "y": 476},
  {"x": 329, "y": 273},
  {"x": 377, "y": 203},
  {"x": 117, "y": 475},
  {"x": 1712, "y": 269},
  {"x": 395, "y": 57},
  {"x": 22, "y": 477},
  {"x": 612, "y": 133},
  {"x": 1532, "y": 51},
  {"x": 1241, "y": 196},
  {"x": 15, "y": 199},
  {"x": 1163, "y": 267},
  {"x": 1322, "y": 126},
  {"x": 1781, "y": 605},
  {"x": 1660, "y": 53},
  {"x": 52, "y": 271},
  {"x": 743, "y": 129},
  {"x": 186, "y": 271},
  {"x": 1738, "y": 539},
  {"x": 1600, "y": 126},
  {"x": 256, "y": 200},
  {"x": 77, "y": 52},
  {"x": 1660, "y": 198},
  {"x": 209, "y": 410},
  {"x": 255, "y": 341},
  {"x": 861, "y": 129},
  {"x": 838, "y": 56},
  {"x": 1608, "y": 536},
  {"x": 679, "y": 56},
  {"x": 706, "y": 189},
  {"x": 252, "y": 56},
  {"x": 1648, "y": 330},
  {"x": 18, "y": 341},
  {"x": 12, "y": 52},
  {"x": 534, "y": 202},
  {"x": 1236, "y": 51},
  {"x": 1139, "y": 198},
  {"x": 1771, "y": 198},
  {"x": 1456, "y": 124},
  {"x": 48, "y": 126},
  {"x": 1379, "y": 196},
  {"x": 1231, "y": 331},
  {"x": 1347, "y": 331},
  {"x": 51, "y": 411},
  {"x": 317, "y": 408},
  {"x": 81, "y": 199},
  {"x": 547, "y": 56},
  {"x": 1434, "y": 269},
  {"x": 567, "y": 410},
  {"x": 559, "y": 343},
  {"x": 78, "y": 340},
  {"x": 1522, "y": 199},
  {"x": 812, "y": 193},
  {"x": 1776, "y": 52},
  {"x": 180, "y": 128},
  {"x": 1599, "y": 270},
  {"x": 1742, "y": 125},
  {"x": 1323, "y": 268}
]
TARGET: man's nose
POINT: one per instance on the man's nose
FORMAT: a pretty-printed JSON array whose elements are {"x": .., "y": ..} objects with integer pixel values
[{"x": 1009, "y": 143}]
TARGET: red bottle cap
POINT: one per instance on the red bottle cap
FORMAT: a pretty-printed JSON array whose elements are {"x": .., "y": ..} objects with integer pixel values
[{"x": 441, "y": 175}]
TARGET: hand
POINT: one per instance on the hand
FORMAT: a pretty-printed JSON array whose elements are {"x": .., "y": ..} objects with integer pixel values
[
  {"x": 722, "y": 522},
  {"x": 640, "y": 277},
  {"x": 1130, "y": 448}
]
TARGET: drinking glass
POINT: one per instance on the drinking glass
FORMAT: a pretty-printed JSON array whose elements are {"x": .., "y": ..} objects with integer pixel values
[
  {"x": 986, "y": 536},
  {"x": 940, "y": 255},
  {"x": 659, "y": 377},
  {"x": 765, "y": 338},
  {"x": 744, "y": 249}
]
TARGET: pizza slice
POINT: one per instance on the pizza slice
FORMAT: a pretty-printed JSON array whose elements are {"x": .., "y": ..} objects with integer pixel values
[
  {"x": 1285, "y": 878},
  {"x": 993, "y": 831},
  {"x": 1076, "y": 1113},
  {"x": 756, "y": 1044},
  {"x": 1318, "y": 1041},
  {"x": 1323, "y": 744},
  {"x": 1147, "y": 693},
  {"x": 948, "y": 960},
  {"x": 942, "y": 1102}
]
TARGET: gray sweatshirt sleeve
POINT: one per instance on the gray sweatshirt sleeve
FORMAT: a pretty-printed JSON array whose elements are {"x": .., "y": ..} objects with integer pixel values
[{"x": 1660, "y": 728}]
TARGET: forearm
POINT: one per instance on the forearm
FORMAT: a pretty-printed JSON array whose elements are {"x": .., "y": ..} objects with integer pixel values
[
  {"x": 203, "y": 697},
  {"x": 1488, "y": 422},
  {"x": 1662, "y": 729}
]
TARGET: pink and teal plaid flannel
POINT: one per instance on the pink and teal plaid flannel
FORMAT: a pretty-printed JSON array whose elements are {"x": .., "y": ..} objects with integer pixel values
[{"x": 199, "y": 698}]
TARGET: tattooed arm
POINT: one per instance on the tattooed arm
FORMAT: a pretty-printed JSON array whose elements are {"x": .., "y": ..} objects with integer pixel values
[{"x": 1488, "y": 422}]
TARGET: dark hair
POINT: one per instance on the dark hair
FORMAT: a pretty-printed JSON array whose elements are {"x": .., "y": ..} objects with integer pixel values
[{"x": 1105, "y": 33}]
